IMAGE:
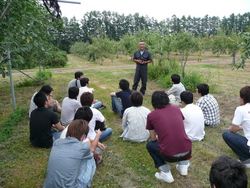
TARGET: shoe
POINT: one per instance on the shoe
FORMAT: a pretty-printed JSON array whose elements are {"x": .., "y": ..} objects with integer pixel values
[
  {"x": 246, "y": 164},
  {"x": 102, "y": 107},
  {"x": 183, "y": 169},
  {"x": 164, "y": 176}
]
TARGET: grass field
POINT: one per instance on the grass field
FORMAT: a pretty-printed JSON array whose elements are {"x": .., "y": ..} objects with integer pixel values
[{"x": 125, "y": 164}]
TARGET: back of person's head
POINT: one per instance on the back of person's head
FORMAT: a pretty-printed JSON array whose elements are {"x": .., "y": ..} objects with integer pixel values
[
  {"x": 87, "y": 99},
  {"x": 73, "y": 92},
  {"x": 187, "y": 97},
  {"x": 78, "y": 74},
  {"x": 46, "y": 89},
  {"x": 245, "y": 94},
  {"x": 124, "y": 84},
  {"x": 84, "y": 113},
  {"x": 136, "y": 98},
  {"x": 159, "y": 99},
  {"x": 228, "y": 173},
  {"x": 77, "y": 128},
  {"x": 84, "y": 81},
  {"x": 203, "y": 89},
  {"x": 40, "y": 98},
  {"x": 176, "y": 78}
]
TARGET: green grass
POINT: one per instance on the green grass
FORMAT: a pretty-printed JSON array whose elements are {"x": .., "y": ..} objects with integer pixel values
[{"x": 125, "y": 164}]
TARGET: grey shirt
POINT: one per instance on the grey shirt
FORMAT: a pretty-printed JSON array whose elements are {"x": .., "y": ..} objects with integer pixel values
[
  {"x": 74, "y": 83},
  {"x": 176, "y": 90},
  {"x": 65, "y": 162}
]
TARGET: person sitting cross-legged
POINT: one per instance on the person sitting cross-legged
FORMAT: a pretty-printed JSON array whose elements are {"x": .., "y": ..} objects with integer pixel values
[
  {"x": 71, "y": 162},
  {"x": 169, "y": 142},
  {"x": 228, "y": 173},
  {"x": 120, "y": 100},
  {"x": 42, "y": 120},
  {"x": 76, "y": 81},
  {"x": 241, "y": 121},
  {"x": 193, "y": 117},
  {"x": 208, "y": 105},
  {"x": 134, "y": 120}
]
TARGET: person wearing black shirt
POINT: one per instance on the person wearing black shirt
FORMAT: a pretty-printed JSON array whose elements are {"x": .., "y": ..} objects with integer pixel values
[{"x": 142, "y": 57}]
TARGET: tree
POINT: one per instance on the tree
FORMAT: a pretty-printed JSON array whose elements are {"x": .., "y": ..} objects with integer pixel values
[{"x": 245, "y": 49}]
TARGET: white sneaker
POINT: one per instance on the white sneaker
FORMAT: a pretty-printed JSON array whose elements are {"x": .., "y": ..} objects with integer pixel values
[
  {"x": 247, "y": 165},
  {"x": 183, "y": 169},
  {"x": 164, "y": 176}
]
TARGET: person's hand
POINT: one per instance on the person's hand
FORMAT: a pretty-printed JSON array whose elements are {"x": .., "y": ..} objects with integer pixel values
[
  {"x": 101, "y": 146},
  {"x": 97, "y": 157},
  {"x": 98, "y": 132}
]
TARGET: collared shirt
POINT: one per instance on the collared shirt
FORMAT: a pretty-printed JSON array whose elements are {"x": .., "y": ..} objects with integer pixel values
[
  {"x": 210, "y": 109},
  {"x": 193, "y": 122}
]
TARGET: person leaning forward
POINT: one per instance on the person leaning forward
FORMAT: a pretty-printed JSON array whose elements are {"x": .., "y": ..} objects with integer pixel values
[{"x": 142, "y": 57}]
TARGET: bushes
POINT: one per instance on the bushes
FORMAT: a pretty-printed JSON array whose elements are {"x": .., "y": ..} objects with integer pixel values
[
  {"x": 162, "y": 74},
  {"x": 56, "y": 59}
]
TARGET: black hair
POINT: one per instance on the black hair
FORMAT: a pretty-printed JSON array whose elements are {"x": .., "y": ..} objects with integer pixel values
[
  {"x": 84, "y": 81},
  {"x": 78, "y": 74},
  {"x": 124, "y": 84},
  {"x": 46, "y": 89},
  {"x": 87, "y": 99},
  {"x": 136, "y": 98},
  {"x": 176, "y": 78},
  {"x": 245, "y": 94},
  {"x": 159, "y": 99},
  {"x": 84, "y": 113},
  {"x": 40, "y": 98},
  {"x": 228, "y": 173},
  {"x": 203, "y": 89},
  {"x": 73, "y": 92},
  {"x": 187, "y": 97}
]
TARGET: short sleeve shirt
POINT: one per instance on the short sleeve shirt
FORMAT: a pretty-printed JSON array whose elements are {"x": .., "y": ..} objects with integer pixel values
[
  {"x": 41, "y": 121},
  {"x": 210, "y": 109},
  {"x": 74, "y": 83},
  {"x": 124, "y": 96},
  {"x": 145, "y": 56},
  {"x": 168, "y": 124}
]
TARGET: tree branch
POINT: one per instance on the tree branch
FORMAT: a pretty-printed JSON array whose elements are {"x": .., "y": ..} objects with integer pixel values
[{"x": 5, "y": 11}]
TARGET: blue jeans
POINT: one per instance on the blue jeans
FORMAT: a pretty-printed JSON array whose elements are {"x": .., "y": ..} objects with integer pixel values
[
  {"x": 117, "y": 105},
  {"x": 56, "y": 134},
  {"x": 97, "y": 105},
  {"x": 238, "y": 144},
  {"x": 105, "y": 134},
  {"x": 87, "y": 171},
  {"x": 160, "y": 160}
]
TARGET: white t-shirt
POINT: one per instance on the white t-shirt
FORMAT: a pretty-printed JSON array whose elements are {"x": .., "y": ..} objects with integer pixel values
[
  {"x": 33, "y": 106},
  {"x": 69, "y": 107},
  {"x": 242, "y": 117},
  {"x": 193, "y": 122},
  {"x": 83, "y": 90},
  {"x": 134, "y": 124},
  {"x": 97, "y": 116}
]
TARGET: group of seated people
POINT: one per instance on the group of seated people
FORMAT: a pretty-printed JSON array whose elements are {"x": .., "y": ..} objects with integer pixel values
[{"x": 171, "y": 129}]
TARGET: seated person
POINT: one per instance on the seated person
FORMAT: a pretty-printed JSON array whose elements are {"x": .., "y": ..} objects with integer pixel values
[
  {"x": 241, "y": 121},
  {"x": 208, "y": 105},
  {"x": 48, "y": 91},
  {"x": 193, "y": 117},
  {"x": 228, "y": 173},
  {"x": 76, "y": 81},
  {"x": 41, "y": 122},
  {"x": 175, "y": 90},
  {"x": 69, "y": 106},
  {"x": 71, "y": 162},
  {"x": 87, "y": 100},
  {"x": 166, "y": 128},
  {"x": 121, "y": 105},
  {"x": 135, "y": 119},
  {"x": 85, "y": 88}
]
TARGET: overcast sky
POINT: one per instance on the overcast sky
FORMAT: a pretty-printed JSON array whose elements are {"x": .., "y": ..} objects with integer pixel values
[{"x": 159, "y": 9}]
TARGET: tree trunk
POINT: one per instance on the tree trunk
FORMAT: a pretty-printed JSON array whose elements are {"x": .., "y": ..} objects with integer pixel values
[{"x": 234, "y": 57}]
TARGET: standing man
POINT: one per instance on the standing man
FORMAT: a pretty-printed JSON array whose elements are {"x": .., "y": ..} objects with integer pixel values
[{"x": 142, "y": 57}]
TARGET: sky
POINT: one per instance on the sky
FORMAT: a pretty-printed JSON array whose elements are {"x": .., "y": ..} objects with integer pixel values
[{"x": 159, "y": 9}]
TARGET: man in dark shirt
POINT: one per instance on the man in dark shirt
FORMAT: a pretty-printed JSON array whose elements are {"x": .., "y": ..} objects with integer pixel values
[
  {"x": 41, "y": 121},
  {"x": 142, "y": 57},
  {"x": 120, "y": 106}
]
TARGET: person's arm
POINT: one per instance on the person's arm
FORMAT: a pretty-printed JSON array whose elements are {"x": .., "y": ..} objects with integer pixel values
[
  {"x": 153, "y": 136},
  {"x": 171, "y": 91},
  {"x": 124, "y": 120},
  {"x": 235, "y": 128},
  {"x": 59, "y": 126},
  {"x": 101, "y": 146},
  {"x": 112, "y": 94},
  {"x": 94, "y": 142}
]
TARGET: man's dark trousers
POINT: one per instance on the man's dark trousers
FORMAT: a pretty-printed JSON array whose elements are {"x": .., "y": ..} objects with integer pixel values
[{"x": 141, "y": 73}]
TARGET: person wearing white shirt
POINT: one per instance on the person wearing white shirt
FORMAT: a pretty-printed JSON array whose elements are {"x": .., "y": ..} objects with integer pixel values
[
  {"x": 85, "y": 83},
  {"x": 135, "y": 119},
  {"x": 193, "y": 117},
  {"x": 69, "y": 106},
  {"x": 241, "y": 121}
]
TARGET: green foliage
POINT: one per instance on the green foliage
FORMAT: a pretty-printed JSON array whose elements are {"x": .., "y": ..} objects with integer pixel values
[
  {"x": 57, "y": 58},
  {"x": 245, "y": 49},
  {"x": 11, "y": 122}
]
